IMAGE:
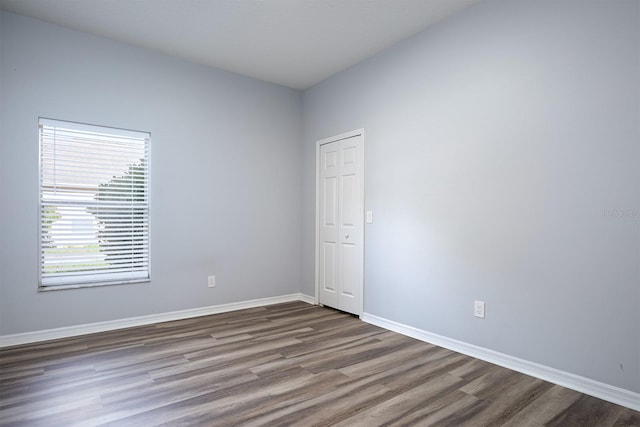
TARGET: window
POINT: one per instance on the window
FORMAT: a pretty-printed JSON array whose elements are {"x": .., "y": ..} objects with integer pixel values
[{"x": 94, "y": 205}]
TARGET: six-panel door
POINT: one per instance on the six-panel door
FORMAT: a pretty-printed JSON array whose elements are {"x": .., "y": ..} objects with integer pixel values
[{"x": 341, "y": 225}]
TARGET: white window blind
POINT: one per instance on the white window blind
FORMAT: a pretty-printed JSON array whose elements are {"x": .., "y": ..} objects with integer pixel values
[{"x": 94, "y": 205}]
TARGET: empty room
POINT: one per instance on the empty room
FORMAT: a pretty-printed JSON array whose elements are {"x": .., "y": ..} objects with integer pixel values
[{"x": 320, "y": 212}]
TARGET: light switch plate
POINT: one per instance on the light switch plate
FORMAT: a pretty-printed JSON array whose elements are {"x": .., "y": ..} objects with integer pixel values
[{"x": 369, "y": 217}]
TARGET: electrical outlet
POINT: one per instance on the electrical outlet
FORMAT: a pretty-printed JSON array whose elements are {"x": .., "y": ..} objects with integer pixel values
[
  {"x": 478, "y": 309},
  {"x": 211, "y": 281}
]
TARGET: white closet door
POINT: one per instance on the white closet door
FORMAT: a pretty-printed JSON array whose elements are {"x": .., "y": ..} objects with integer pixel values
[{"x": 340, "y": 215}]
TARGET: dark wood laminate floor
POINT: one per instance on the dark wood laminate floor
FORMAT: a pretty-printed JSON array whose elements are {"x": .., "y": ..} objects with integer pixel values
[{"x": 289, "y": 364}]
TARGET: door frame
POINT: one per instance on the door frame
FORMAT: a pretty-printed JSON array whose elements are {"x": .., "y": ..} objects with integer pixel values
[{"x": 319, "y": 143}]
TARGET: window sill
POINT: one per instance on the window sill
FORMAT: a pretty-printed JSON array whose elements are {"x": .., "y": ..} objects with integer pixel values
[{"x": 89, "y": 285}]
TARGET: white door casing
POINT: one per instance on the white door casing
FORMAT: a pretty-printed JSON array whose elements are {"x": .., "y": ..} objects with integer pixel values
[{"x": 339, "y": 222}]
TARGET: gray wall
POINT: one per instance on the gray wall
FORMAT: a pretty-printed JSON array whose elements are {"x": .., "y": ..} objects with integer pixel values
[
  {"x": 225, "y": 174},
  {"x": 502, "y": 155}
]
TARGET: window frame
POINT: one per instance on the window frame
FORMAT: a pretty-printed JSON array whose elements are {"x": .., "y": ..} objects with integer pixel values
[{"x": 112, "y": 279}]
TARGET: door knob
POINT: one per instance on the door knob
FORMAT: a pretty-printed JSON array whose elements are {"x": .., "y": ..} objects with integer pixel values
[{"x": 346, "y": 236}]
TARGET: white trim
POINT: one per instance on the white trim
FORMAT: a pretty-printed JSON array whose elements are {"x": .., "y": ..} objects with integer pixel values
[
  {"x": 91, "y": 128},
  {"x": 308, "y": 299},
  {"x": 578, "y": 383},
  {"x": 342, "y": 136},
  {"x": 319, "y": 143},
  {"x": 90, "y": 328}
]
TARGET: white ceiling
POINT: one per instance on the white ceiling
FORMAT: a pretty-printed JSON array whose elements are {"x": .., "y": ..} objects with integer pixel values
[{"x": 295, "y": 43}]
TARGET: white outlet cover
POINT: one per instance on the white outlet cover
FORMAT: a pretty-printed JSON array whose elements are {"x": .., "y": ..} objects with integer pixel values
[
  {"x": 478, "y": 309},
  {"x": 211, "y": 281}
]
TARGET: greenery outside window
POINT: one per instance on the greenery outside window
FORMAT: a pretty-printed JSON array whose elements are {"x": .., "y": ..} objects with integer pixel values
[{"x": 94, "y": 205}]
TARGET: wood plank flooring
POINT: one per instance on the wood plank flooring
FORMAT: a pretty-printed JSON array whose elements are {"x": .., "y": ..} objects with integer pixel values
[{"x": 289, "y": 364}]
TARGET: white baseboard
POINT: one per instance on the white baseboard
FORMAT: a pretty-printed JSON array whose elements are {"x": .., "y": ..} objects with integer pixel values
[
  {"x": 584, "y": 385},
  {"x": 308, "y": 299},
  {"x": 90, "y": 328}
]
